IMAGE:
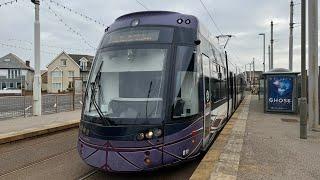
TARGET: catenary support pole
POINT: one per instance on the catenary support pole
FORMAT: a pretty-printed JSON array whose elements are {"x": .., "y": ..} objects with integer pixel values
[
  {"x": 37, "y": 75},
  {"x": 313, "y": 99},
  {"x": 245, "y": 70},
  {"x": 250, "y": 76},
  {"x": 264, "y": 51},
  {"x": 303, "y": 99},
  {"x": 269, "y": 57},
  {"x": 291, "y": 36},
  {"x": 271, "y": 48},
  {"x": 254, "y": 71}
]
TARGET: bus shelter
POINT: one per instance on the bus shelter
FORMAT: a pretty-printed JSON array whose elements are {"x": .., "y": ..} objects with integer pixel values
[{"x": 280, "y": 94}]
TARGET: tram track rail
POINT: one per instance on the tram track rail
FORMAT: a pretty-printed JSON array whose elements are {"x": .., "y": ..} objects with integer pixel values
[
  {"x": 89, "y": 174},
  {"x": 49, "y": 158}
]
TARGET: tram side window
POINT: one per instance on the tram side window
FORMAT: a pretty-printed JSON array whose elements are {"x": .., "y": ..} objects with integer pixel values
[
  {"x": 218, "y": 84},
  {"x": 186, "y": 96},
  {"x": 215, "y": 90},
  {"x": 224, "y": 89}
]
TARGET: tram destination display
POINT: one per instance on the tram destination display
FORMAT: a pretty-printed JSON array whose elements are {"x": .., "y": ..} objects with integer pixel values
[{"x": 133, "y": 35}]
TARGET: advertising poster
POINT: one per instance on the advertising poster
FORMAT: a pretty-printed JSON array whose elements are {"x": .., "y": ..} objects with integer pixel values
[{"x": 280, "y": 93}]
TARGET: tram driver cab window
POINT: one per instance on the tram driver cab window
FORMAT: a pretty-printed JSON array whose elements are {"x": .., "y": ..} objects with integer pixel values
[{"x": 186, "y": 99}]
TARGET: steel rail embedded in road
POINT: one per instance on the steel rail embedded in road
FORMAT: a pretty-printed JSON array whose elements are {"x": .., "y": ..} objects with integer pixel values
[
  {"x": 39, "y": 162},
  {"x": 88, "y": 174}
]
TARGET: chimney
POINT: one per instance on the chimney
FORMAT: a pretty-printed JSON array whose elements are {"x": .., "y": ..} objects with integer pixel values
[{"x": 28, "y": 63}]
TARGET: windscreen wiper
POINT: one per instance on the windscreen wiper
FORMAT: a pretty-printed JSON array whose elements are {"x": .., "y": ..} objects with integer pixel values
[{"x": 149, "y": 91}]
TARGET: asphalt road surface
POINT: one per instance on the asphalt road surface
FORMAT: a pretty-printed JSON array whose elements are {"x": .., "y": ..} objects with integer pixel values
[{"x": 55, "y": 156}]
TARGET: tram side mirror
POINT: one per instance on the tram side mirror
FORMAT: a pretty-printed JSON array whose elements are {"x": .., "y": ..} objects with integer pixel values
[{"x": 197, "y": 42}]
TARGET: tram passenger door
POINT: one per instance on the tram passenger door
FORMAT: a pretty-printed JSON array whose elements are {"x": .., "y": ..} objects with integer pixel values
[{"x": 207, "y": 99}]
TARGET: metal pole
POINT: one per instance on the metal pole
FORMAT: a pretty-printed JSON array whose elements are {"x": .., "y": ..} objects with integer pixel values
[
  {"x": 37, "y": 75},
  {"x": 269, "y": 56},
  {"x": 264, "y": 51},
  {"x": 271, "y": 48},
  {"x": 24, "y": 106},
  {"x": 250, "y": 78},
  {"x": 313, "y": 100},
  {"x": 291, "y": 36},
  {"x": 303, "y": 99},
  {"x": 56, "y": 104},
  {"x": 245, "y": 71},
  {"x": 73, "y": 94},
  {"x": 254, "y": 81}
]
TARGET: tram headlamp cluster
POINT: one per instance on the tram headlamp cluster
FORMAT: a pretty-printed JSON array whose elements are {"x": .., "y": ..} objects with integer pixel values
[
  {"x": 155, "y": 133},
  {"x": 149, "y": 135},
  {"x": 140, "y": 136},
  {"x": 84, "y": 130},
  {"x": 180, "y": 21}
]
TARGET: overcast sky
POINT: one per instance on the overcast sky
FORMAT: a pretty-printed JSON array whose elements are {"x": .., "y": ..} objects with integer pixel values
[{"x": 244, "y": 19}]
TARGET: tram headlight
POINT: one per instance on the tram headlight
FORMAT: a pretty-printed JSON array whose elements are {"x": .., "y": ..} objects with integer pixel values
[
  {"x": 157, "y": 132},
  {"x": 147, "y": 161},
  {"x": 140, "y": 136},
  {"x": 149, "y": 135}
]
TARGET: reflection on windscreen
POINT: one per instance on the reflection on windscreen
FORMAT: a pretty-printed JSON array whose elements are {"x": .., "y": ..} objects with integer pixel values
[{"x": 131, "y": 83}]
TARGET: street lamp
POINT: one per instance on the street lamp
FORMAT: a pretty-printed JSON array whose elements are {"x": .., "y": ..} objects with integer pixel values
[
  {"x": 264, "y": 51},
  {"x": 37, "y": 75}
]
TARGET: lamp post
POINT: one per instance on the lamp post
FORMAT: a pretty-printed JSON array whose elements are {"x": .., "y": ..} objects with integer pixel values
[
  {"x": 37, "y": 76},
  {"x": 303, "y": 99},
  {"x": 313, "y": 70},
  {"x": 264, "y": 51},
  {"x": 271, "y": 47}
]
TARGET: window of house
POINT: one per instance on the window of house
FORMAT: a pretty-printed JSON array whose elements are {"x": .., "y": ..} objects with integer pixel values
[
  {"x": 63, "y": 62},
  {"x": 11, "y": 85},
  {"x": 4, "y": 85},
  {"x": 70, "y": 85},
  {"x": 14, "y": 73},
  {"x": 19, "y": 85},
  {"x": 10, "y": 73},
  {"x": 71, "y": 74},
  {"x": 56, "y": 74},
  {"x": 83, "y": 65},
  {"x": 56, "y": 86}
]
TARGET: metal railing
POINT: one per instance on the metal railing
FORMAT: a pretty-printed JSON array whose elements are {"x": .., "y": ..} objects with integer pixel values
[{"x": 17, "y": 106}]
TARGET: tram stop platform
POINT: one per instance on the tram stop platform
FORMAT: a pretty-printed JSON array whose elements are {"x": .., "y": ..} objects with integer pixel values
[
  {"x": 26, "y": 127},
  {"x": 255, "y": 145}
]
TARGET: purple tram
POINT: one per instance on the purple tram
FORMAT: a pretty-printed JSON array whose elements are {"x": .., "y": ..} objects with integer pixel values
[{"x": 159, "y": 90}]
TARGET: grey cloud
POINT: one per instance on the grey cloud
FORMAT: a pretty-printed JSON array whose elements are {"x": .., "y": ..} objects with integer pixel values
[{"x": 243, "y": 18}]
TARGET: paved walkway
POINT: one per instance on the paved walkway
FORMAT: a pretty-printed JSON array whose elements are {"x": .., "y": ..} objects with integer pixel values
[
  {"x": 272, "y": 148},
  {"x": 222, "y": 160},
  {"x": 21, "y": 125}
]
